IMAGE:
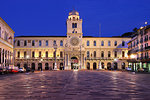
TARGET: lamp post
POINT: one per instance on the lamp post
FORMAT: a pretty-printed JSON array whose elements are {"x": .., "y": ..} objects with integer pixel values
[
  {"x": 27, "y": 57},
  {"x": 41, "y": 66},
  {"x": 55, "y": 47}
]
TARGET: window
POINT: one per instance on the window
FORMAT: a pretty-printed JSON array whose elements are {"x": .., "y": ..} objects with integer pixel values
[
  {"x": 94, "y": 43},
  {"x": 39, "y": 53},
  {"x": 123, "y": 53},
  {"x": 54, "y": 54},
  {"x": 88, "y": 43},
  {"x": 6, "y": 36},
  {"x": 61, "y": 54},
  {"x": 33, "y": 42},
  {"x": 115, "y": 44},
  {"x": 109, "y": 43},
  {"x": 46, "y": 54},
  {"x": 0, "y": 55},
  {"x": 54, "y": 42},
  {"x": 25, "y": 54},
  {"x": 88, "y": 54},
  {"x": 115, "y": 54},
  {"x": 33, "y": 53},
  {"x": 109, "y": 54},
  {"x": 0, "y": 31},
  {"x": 40, "y": 43},
  {"x": 61, "y": 43},
  {"x": 46, "y": 42},
  {"x": 102, "y": 54},
  {"x": 74, "y": 25},
  {"x": 94, "y": 53},
  {"x": 18, "y": 54},
  {"x": 123, "y": 43},
  {"x": 18, "y": 43},
  {"x": 25, "y": 43},
  {"x": 102, "y": 43}
]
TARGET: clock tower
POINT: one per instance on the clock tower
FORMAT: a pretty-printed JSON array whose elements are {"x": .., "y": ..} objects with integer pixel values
[
  {"x": 74, "y": 49},
  {"x": 74, "y": 29}
]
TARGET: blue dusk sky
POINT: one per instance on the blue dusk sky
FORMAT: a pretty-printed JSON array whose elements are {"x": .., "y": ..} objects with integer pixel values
[{"x": 48, "y": 17}]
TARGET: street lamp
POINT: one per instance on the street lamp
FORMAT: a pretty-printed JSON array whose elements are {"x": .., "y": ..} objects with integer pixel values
[
  {"x": 41, "y": 62},
  {"x": 55, "y": 47},
  {"x": 27, "y": 57}
]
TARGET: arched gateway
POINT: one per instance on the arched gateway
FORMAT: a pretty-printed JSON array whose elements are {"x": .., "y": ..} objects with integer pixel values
[{"x": 74, "y": 62}]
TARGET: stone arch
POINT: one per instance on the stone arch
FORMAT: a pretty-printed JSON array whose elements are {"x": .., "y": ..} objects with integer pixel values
[
  {"x": 88, "y": 66},
  {"x": 123, "y": 65},
  {"x": 115, "y": 65},
  {"x": 109, "y": 65},
  {"x": 33, "y": 66},
  {"x": 94, "y": 66},
  {"x": 46, "y": 66}
]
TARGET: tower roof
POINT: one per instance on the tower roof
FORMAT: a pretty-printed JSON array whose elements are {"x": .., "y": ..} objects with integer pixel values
[{"x": 73, "y": 12}]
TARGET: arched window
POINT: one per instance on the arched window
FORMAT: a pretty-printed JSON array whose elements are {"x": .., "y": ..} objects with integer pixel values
[
  {"x": 0, "y": 31},
  {"x": 115, "y": 44},
  {"x": 94, "y": 53},
  {"x": 46, "y": 54},
  {"x": 88, "y": 43},
  {"x": 61, "y": 43},
  {"x": 18, "y": 43},
  {"x": 123, "y": 53},
  {"x": 54, "y": 42},
  {"x": 88, "y": 54},
  {"x": 46, "y": 42},
  {"x": 94, "y": 43},
  {"x": 33, "y": 54},
  {"x": 115, "y": 54},
  {"x": 123, "y": 43},
  {"x": 40, "y": 43},
  {"x": 61, "y": 54},
  {"x": 25, "y": 54},
  {"x": 40, "y": 54},
  {"x": 25, "y": 43},
  {"x": 102, "y": 43},
  {"x": 18, "y": 54},
  {"x": 102, "y": 54},
  {"x": 109, "y": 54},
  {"x": 109, "y": 43},
  {"x": 33, "y": 42}
]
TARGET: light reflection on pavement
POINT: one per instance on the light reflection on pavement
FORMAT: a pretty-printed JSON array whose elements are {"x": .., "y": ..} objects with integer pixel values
[{"x": 78, "y": 85}]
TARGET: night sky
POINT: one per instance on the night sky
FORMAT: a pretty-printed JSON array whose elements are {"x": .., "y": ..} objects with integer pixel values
[{"x": 48, "y": 17}]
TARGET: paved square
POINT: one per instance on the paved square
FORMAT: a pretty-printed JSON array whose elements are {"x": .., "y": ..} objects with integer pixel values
[{"x": 81, "y": 85}]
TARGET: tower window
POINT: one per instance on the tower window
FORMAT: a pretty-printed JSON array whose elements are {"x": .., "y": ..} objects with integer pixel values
[{"x": 74, "y": 25}]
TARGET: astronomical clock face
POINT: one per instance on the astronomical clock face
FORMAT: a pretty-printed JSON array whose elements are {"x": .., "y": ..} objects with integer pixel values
[{"x": 74, "y": 41}]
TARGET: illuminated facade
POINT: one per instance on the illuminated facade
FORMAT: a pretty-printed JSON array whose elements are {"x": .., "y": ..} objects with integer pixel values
[
  {"x": 6, "y": 44},
  {"x": 85, "y": 52},
  {"x": 139, "y": 49}
]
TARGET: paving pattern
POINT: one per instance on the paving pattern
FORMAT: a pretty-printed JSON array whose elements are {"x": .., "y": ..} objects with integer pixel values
[{"x": 75, "y": 85}]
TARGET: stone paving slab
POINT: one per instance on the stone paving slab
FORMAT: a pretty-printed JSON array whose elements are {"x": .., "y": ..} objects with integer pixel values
[{"x": 81, "y": 85}]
